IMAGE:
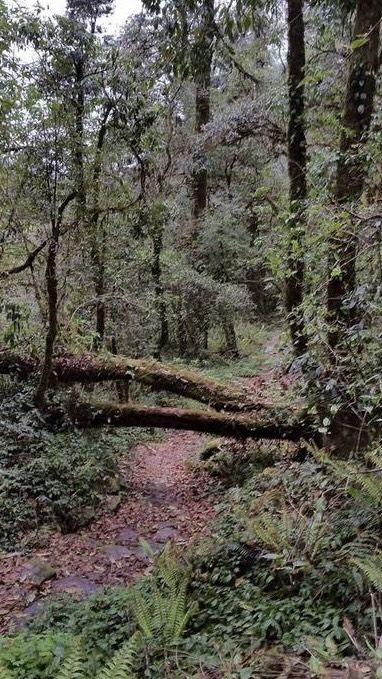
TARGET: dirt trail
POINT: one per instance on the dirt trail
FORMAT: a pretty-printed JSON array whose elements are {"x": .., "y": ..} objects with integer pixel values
[{"x": 165, "y": 500}]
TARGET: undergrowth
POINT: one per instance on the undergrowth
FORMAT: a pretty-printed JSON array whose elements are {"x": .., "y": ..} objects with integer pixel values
[
  {"x": 294, "y": 563},
  {"x": 49, "y": 473}
]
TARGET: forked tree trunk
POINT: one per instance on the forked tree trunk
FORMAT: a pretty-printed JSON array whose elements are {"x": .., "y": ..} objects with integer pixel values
[
  {"x": 51, "y": 288},
  {"x": 351, "y": 168},
  {"x": 294, "y": 288}
]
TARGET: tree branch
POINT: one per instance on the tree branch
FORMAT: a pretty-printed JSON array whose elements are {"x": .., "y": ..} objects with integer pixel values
[{"x": 28, "y": 264}]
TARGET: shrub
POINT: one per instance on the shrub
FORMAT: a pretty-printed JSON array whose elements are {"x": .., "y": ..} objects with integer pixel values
[
  {"x": 103, "y": 620},
  {"x": 48, "y": 472}
]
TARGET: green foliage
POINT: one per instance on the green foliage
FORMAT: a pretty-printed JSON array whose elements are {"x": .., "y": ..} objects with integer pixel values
[
  {"x": 155, "y": 613},
  {"x": 371, "y": 566},
  {"x": 361, "y": 478},
  {"x": 72, "y": 667},
  {"x": 104, "y": 621},
  {"x": 16, "y": 318},
  {"x": 34, "y": 656},
  {"x": 121, "y": 665},
  {"x": 49, "y": 474},
  {"x": 233, "y": 463},
  {"x": 281, "y": 567},
  {"x": 163, "y": 614},
  {"x": 54, "y": 656}
]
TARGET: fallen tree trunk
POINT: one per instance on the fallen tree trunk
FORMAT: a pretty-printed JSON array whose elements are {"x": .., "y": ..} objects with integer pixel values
[
  {"x": 88, "y": 369},
  {"x": 99, "y": 414}
]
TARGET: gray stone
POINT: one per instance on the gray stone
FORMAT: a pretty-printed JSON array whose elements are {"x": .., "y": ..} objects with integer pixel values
[
  {"x": 36, "y": 572},
  {"x": 74, "y": 585},
  {"x": 113, "y": 502},
  {"x": 116, "y": 552},
  {"x": 127, "y": 535},
  {"x": 165, "y": 534}
]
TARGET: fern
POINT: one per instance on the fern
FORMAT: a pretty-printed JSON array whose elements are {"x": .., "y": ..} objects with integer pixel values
[
  {"x": 175, "y": 614},
  {"x": 142, "y": 614},
  {"x": 168, "y": 567},
  {"x": 271, "y": 531},
  {"x": 121, "y": 665},
  {"x": 73, "y": 665},
  {"x": 372, "y": 568},
  {"x": 164, "y": 614},
  {"x": 360, "y": 481}
]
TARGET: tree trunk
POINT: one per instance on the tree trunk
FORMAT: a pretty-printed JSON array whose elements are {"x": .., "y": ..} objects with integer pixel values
[
  {"x": 181, "y": 330},
  {"x": 98, "y": 261},
  {"x": 51, "y": 286},
  {"x": 156, "y": 271},
  {"x": 202, "y": 75},
  {"x": 122, "y": 386},
  {"x": 90, "y": 369},
  {"x": 98, "y": 233},
  {"x": 230, "y": 338},
  {"x": 101, "y": 414},
  {"x": 297, "y": 175},
  {"x": 79, "y": 105},
  {"x": 359, "y": 102}
]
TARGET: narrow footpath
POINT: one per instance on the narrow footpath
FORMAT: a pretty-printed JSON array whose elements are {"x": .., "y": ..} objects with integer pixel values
[{"x": 165, "y": 500}]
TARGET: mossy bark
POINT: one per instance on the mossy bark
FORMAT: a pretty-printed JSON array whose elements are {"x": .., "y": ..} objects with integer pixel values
[
  {"x": 90, "y": 369},
  {"x": 100, "y": 414}
]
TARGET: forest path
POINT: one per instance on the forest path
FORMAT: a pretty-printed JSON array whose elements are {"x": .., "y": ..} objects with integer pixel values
[{"x": 165, "y": 500}]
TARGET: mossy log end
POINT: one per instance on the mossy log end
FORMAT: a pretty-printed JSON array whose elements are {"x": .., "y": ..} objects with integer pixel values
[
  {"x": 89, "y": 369},
  {"x": 99, "y": 414}
]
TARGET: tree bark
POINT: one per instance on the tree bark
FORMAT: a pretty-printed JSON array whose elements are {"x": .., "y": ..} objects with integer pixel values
[
  {"x": 240, "y": 426},
  {"x": 294, "y": 288},
  {"x": 51, "y": 286},
  {"x": 351, "y": 168},
  {"x": 156, "y": 270},
  {"x": 90, "y": 369},
  {"x": 98, "y": 233},
  {"x": 230, "y": 338},
  {"x": 79, "y": 108},
  {"x": 202, "y": 76}
]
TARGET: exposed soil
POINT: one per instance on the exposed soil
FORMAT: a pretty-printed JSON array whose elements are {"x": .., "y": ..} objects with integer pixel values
[{"x": 165, "y": 500}]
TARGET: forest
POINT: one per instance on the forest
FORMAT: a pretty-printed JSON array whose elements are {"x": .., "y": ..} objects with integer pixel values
[{"x": 191, "y": 339}]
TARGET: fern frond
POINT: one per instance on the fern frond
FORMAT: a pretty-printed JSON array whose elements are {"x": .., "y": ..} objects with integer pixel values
[
  {"x": 271, "y": 531},
  {"x": 372, "y": 568},
  {"x": 73, "y": 667},
  {"x": 182, "y": 623},
  {"x": 142, "y": 614},
  {"x": 371, "y": 486},
  {"x": 168, "y": 567},
  {"x": 360, "y": 548},
  {"x": 375, "y": 457},
  {"x": 317, "y": 529},
  {"x": 357, "y": 477},
  {"x": 159, "y": 606},
  {"x": 121, "y": 665},
  {"x": 176, "y": 612}
]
